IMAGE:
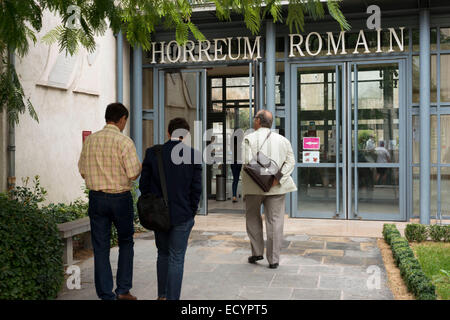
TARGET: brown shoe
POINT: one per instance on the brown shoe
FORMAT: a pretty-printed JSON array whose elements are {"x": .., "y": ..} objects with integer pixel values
[{"x": 126, "y": 296}]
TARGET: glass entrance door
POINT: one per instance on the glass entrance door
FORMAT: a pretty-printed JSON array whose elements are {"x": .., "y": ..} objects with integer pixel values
[
  {"x": 377, "y": 139},
  {"x": 349, "y": 131},
  {"x": 182, "y": 93}
]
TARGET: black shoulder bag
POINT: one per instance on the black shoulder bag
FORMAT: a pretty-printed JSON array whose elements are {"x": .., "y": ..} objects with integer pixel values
[
  {"x": 262, "y": 169},
  {"x": 154, "y": 211}
]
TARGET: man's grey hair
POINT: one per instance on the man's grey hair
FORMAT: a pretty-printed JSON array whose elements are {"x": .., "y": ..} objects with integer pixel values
[{"x": 265, "y": 118}]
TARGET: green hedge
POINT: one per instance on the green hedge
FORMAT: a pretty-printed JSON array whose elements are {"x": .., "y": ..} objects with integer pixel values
[
  {"x": 419, "y": 232},
  {"x": 416, "y": 280},
  {"x": 31, "y": 266}
]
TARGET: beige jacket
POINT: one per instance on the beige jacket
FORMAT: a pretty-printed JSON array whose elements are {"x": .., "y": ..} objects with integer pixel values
[{"x": 277, "y": 148}]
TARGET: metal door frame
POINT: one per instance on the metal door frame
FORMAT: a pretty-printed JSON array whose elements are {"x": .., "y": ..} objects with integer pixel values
[
  {"x": 198, "y": 141},
  {"x": 339, "y": 98},
  {"x": 352, "y": 163},
  {"x": 346, "y": 162}
]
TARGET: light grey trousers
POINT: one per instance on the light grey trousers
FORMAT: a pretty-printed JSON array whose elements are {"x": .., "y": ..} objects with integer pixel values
[{"x": 274, "y": 210}]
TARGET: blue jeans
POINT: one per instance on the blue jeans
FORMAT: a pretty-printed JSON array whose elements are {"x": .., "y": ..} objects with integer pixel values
[
  {"x": 236, "y": 170},
  {"x": 105, "y": 209},
  {"x": 172, "y": 247}
]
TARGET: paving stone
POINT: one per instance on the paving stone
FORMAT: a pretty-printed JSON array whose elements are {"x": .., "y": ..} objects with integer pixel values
[
  {"x": 342, "y": 245},
  {"x": 308, "y": 244},
  {"x": 216, "y": 267},
  {"x": 294, "y": 281},
  {"x": 299, "y": 237},
  {"x": 231, "y": 268},
  {"x": 324, "y": 253},
  {"x": 362, "y": 254},
  {"x": 369, "y": 246},
  {"x": 353, "y": 261},
  {"x": 293, "y": 251},
  {"x": 343, "y": 283},
  {"x": 361, "y": 240},
  {"x": 300, "y": 260},
  {"x": 328, "y": 238},
  {"x": 259, "y": 293},
  {"x": 375, "y": 294},
  {"x": 316, "y": 294},
  {"x": 321, "y": 269},
  {"x": 282, "y": 269}
]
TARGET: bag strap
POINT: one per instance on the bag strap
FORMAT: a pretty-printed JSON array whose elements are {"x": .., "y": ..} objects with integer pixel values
[
  {"x": 162, "y": 177},
  {"x": 264, "y": 141}
]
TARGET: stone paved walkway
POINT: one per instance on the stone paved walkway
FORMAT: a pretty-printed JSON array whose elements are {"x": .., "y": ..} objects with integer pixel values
[{"x": 216, "y": 268}]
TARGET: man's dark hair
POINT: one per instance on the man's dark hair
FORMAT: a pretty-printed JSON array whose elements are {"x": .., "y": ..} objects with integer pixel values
[
  {"x": 178, "y": 123},
  {"x": 115, "y": 111}
]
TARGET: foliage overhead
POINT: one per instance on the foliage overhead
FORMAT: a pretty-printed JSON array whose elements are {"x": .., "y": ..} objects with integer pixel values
[{"x": 20, "y": 20}]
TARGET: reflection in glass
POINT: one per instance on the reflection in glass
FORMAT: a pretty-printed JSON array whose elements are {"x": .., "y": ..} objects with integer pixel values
[
  {"x": 378, "y": 190},
  {"x": 317, "y": 110},
  {"x": 445, "y": 38},
  {"x": 445, "y": 139},
  {"x": 445, "y": 78},
  {"x": 445, "y": 191},
  {"x": 378, "y": 114},
  {"x": 147, "y": 134},
  {"x": 433, "y": 192},
  {"x": 416, "y": 79},
  {"x": 181, "y": 99},
  {"x": 317, "y": 190},
  {"x": 147, "y": 88},
  {"x": 416, "y": 139}
]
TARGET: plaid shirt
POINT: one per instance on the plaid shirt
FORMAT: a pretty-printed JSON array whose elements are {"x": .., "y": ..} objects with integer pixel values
[{"x": 108, "y": 161}]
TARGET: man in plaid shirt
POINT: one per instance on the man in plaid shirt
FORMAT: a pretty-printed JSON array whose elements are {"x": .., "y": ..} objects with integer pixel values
[{"x": 109, "y": 163}]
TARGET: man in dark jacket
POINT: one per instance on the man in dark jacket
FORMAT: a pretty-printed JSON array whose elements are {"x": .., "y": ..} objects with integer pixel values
[{"x": 183, "y": 172}]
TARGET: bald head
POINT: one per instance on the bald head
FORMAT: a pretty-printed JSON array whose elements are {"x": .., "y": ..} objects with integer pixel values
[{"x": 265, "y": 118}]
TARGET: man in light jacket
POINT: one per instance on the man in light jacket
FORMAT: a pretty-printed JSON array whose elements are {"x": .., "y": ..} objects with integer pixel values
[{"x": 279, "y": 149}]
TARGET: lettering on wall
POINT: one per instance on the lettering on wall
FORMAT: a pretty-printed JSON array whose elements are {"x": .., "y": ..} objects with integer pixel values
[{"x": 300, "y": 45}]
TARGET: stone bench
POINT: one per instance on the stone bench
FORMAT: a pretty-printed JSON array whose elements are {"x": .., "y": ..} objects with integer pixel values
[{"x": 69, "y": 229}]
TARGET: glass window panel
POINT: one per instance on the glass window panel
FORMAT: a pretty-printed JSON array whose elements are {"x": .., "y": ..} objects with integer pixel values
[
  {"x": 378, "y": 116},
  {"x": 279, "y": 47},
  {"x": 445, "y": 78},
  {"x": 216, "y": 93},
  {"x": 216, "y": 82},
  {"x": 445, "y": 139},
  {"x": 378, "y": 190},
  {"x": 147, "y": 134},
  {"x": 416, "y": 138},
  {"x": 416, "y": 192},
  {"x": 416, "y": 79},
  {"x": 445, "y": 38},
  {"x": 317, "y": 115},
  {"x": 181, "y": 99},
  {"x": 317, "y": 190},
  {"x": 433, "y": 39},
  {"x": 445, "y": 191},
  {"x": 147, "y": 89}
]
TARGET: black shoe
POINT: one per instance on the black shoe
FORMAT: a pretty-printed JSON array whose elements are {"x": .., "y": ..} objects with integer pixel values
[
  {"x": 273, "y": 266},
  {"x": 253, "y": 259}
]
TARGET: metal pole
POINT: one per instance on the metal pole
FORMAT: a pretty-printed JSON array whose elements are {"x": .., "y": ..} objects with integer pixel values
[
  {"x": 11, "y": 180},
  {"x": 425, "y": 165},
  {"x": 136, "y": 111},
  {"x": 270, "y": 67},
  {"x": 119, "y": 62}
]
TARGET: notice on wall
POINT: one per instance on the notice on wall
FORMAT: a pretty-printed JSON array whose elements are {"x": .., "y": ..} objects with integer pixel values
[{"x": 311, "y": 157}]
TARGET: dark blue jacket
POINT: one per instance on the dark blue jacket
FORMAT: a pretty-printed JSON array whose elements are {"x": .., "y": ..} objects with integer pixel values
[{"x": 184, "y": 181}]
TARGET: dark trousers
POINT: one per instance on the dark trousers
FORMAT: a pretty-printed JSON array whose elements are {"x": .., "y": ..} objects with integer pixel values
[
  {"x": 236, "y": 170},
  {"x": 105, "y": 209},
  {"x": 172, "y": 247}
]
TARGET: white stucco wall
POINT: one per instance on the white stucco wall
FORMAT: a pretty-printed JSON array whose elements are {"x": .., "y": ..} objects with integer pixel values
[{"x": 51, "y": 148}]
